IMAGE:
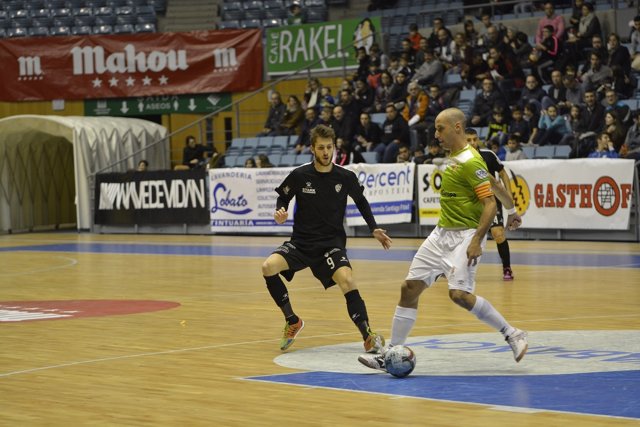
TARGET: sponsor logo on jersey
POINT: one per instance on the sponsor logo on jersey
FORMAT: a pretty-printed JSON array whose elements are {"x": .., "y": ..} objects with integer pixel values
[
  {"x": 338, "y": 188},
  {"x": 482, "y": 174}
]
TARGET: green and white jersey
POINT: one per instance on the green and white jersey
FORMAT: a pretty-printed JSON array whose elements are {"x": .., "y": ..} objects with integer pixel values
[{"x": 465, "y": 181}]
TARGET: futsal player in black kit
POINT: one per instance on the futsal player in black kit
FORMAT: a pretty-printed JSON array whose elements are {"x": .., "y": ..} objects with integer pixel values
[
  {"x": 319, "y": 239},
  {"x": 495, "y": 167}
]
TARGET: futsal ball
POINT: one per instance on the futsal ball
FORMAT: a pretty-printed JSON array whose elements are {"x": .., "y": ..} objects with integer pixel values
[{"x": 399, "y": 361}]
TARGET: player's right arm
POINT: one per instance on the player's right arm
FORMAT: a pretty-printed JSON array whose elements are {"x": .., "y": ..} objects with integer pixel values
[{"x": 286, "y": 191}]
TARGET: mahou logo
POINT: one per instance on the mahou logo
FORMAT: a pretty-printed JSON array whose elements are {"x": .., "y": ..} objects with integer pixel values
[
  {"x": 92, "y": 60},
  {"x": 29, "y": 67}
]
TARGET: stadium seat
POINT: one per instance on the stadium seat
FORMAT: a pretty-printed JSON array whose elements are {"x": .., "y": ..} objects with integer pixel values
[
  {"x": 545, "y": 152},
  {"x": 250, "y": 143},
  {"x": 225, "y": 25},
  {"x": 60, "y": 30},
  {"x": 61, "y": 12},
  {"x": 38, "y": 31},
  {"x": 125, "y": 10},
  {"x": 370, "y": 156},
  {"x": 84, "y": 21},
  {"x": 303, "y": 158},
  {"x": 264, "y": 142},
  {"x": 271, "y": 22},
  {"x": 39, "y": 13},
  {"x": 105, "y": 20},
  {"x": 103, "y": 29},
  {"x": 146, "y": 19},
  {"x": 43, "y": 21},
  {"x": 3, "y": 32},
  {"x": 250, "y": 23},
  {"x": 116, "y": 3},
  {"x": 82, "y": 11},
  {"x": 145, "y": 10},
  {"x": 280, "y": 144},
  {"x": 378, "y": 118},
  {"x": 230, "y": 160},
  {"x": 240, "y": 161},
  {"x": 562, "y": 152},
  {"x": 17, "y": 32},
  {"x": 103, "y": 11},
  {"x": 63, "y": 21},
  {"x": 316, "y": 14},
  {"x": 145, "y": 28},
  {"x": 123, "y": 29},
  {"x": 236, "y": 146},
  {"x": 56, "y": 4},
  {"x": 275, "y": 158},
  {"x": 287, "y": 160},
  {"x": 126, "y": 19},
  {"x": 529, "y": 151},
  {"x": 81, "y": 31},
  {"x": 95, "y": 3}
]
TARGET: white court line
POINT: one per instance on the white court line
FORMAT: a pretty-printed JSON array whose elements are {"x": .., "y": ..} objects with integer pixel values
[
  {"x": 210, "y": 347},
  {"x": 71, "y": 262}
]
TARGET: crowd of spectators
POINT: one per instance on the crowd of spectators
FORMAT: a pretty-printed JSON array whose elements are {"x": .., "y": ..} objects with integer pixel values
[{"x": 565, "y": 88}]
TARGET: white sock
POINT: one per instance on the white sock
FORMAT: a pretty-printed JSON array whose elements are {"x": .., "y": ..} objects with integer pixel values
[
  {"x": 403, "y": 320},
  {"x": 484, "y": 311}
]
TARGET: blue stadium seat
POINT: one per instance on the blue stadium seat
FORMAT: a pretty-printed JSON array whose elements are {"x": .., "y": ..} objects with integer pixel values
[
  {"x": 225, "y": 25},
  {"x": 145, "y": 28},
  {"x": 95, "y": 3},
  {"x": 236, "y": 146},
  {"x": 370, "y": 156},
  {"x": 125, "y": 10},
  {"x": 84, "y": 21},
  {"x": 562, "y": 152},
  {"x": 264, "y": 142},
  {"x": 63, "y": 21},
  {"x": 544, "y": 152},
  {"x": 116, "y": 3},
  {"x": 56, "y": 4},
  {"x": 287, "y": 160},
  {"x": 159, "y": 5},
  {"x": 39, "y": 13},
  {"x": 81, "y": 31},
  {"x": 82, "y": 11},
  {"x": 61, "y": 12},
  {"x": 271, "y": 22},
  {"x": 106, "y": 20},
  {"x": 103, "y": 29},
  {"x": 378, "y": 118},
  {"x": 529, "y": 151},
  {"x": 251, "y": 14},
  {"x": 124, "y": 29},
  {"x": 230, "y": 160},
  {"x": 280, "y": 143},
  {"x": 17, "y": 32},
  {"x": 146, "y": 19},
  {"x": 103, "y": 11},
  {"x": 250, "y": 23},
  {"x": 241, "y": 160},
  {"x": 3, "y": 32},
  {"x": 145, "y": 10},
  {"x": 251, "y": 143},
  {"x": 275, "y": 14},
  {"x": 38, "y": 31},
  {"x": 303, "y": 158},
  {"x": 60, "y": 30},
  {"x": 42, "y": 22}
]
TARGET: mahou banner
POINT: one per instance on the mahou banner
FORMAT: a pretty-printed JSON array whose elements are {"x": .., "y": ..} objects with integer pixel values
[{"x": 120, "y": 66}]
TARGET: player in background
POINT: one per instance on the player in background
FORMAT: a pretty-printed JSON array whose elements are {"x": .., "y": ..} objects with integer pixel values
[
  {"x": 454, "y": 247},
  {"x": 496, "y": 169},
  {"x": 319, "y": 239}
]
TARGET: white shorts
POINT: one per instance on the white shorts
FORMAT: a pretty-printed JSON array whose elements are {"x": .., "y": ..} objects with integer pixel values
[{"x": 444, "y": 252}]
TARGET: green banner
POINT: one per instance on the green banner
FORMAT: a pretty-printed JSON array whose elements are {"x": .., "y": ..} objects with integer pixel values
[
  {"x": 291, "y": 47},
  {"x": 154, "y": 105}
]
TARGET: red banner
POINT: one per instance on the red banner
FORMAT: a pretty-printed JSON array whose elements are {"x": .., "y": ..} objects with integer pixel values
[{"x": 119, "y": 66}]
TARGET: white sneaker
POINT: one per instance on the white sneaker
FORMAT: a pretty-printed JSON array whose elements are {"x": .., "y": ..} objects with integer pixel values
[
  {"x": 373, "y": 361},
  {"x": 518, "y": 342}
]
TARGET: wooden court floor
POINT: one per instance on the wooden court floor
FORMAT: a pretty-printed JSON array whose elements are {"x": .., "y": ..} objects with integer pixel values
[{"x": 139, "y": 330}]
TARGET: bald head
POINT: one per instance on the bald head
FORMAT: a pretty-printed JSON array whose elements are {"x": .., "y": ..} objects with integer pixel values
[
  {"x": 452, "y": 116},
  {"x": 450, "y": 125}
]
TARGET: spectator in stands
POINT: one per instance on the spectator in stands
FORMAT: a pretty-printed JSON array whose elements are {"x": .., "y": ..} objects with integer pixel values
[
  {"x": 616, "y": 130},
  {"x": 444, "y": 52},
  {"x": 406, "y": 66},
  {"x": 394, "y": 65},
  {"x": 635, "y": 44},
  {"x": 143, "y": 166},
  {"x": 461, "y": 55},
  {"x": 377, "y": 55},
  {"x": 476, "y": 72},
  {"x": 588, "y": 27},
  {"x": 521, "y": 49},
  {"x": 364, "y": 96},
  {"x": 326, "y": 115},
  {"x": 367, "y": 135},
  {"x": 407, "y": 51},
  {"x": 631, "y": 148},
  {"x": 493, "y": 38},
  {"x": 373, "y": 77},
  {"x": 618, "y": 54},
  {"x": 250, "y": 163},
  {"x": 470, "y": 33},
  {"x": 327, "y": 100},
  {"x": 351, "y": 109},
  {"x": 514, "y": 152},
  {"x": 437, "y": 103},
  {"x": 415, "y": 111},
  {"x": 414, "y": 36},
  {"x": 344, "y": 155},
  {"x": 404, "y": 154},
  {"x": 574, "y": 93},
  {"x": 552, "y": 127},
  {"x": 611, "y": 103},
  {"x": 262, "y": 161},
  {"x": 532, "y": 92},
  {"x": 518, "y": 126},
  {"x": 498, "y": 125},
  {"x": 395, "y": 130},
  {"x": 532, "y": 117},
  {"x": 550, "y": 18},
  {"x": 498, "y": 149},
  {"x": 296, "y": 15},
  {"x": 597, "y": 74},
  {"x": 423, "y": 45},
  {"x": 485, "y": 102},
  {"x": 193, "y": 154},
  {"x": 593, "y": 113},
  {"x": 399, "y": 91},
  {"x": 434, "y": 151},
  {"x": 303, "y": 144},
  {"x": 505, "y": 71},
  {"x": 276, "y": 113},
  {"x": 291, "y": 123},
  {"x": 576, "y": 14},
  {"x": 556, "y": 94},
  {"x": 312, "y": 94},
  {"x": 431, "y": 71},
  {"x": 623, "y": 84},
  {"x": 577, "y": 129},
  {"x": 434, "y": 40},
  {"x": 363, "y": 65},
  {"x": 604, "y": 149},
  {"x": 545, "y": 54},
  {"x": 383, "y": 92},
  {"x": 341, "y": 125}
]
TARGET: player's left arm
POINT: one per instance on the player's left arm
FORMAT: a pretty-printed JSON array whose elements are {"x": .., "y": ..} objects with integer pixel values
[{"x": 504, "y": 195}]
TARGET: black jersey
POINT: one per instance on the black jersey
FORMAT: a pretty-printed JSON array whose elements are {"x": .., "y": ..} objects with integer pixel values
[
  {"x": 321, "y": 199},
  {"x": 494, "y": 165}
]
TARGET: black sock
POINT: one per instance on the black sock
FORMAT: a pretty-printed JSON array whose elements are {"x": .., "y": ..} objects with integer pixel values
[
  {"x": 505, "y": 256},
  {"x": 280, "y": 295},
  {"x": 293, "y": 319},
  {"x": 358, "y": 312}
]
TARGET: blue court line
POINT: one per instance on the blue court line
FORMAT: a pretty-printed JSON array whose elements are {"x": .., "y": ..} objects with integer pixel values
[
  {"x": 528, "y": 258},
  {"x": 603, "y": 393}
]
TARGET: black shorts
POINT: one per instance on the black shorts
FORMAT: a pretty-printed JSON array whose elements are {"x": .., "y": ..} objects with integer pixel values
[
  {"x": 498, "y": 221},
  {"x": 323, "y": 262}
]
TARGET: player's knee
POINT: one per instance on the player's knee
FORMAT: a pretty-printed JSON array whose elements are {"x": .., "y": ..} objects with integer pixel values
[
  {"x": 461, "y": 298},
  {"x": 410, "y": 292},
  {"x": 498, "y": 234},
  {"x": 269, "y": 268}
]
